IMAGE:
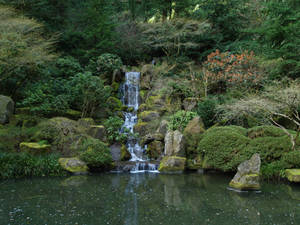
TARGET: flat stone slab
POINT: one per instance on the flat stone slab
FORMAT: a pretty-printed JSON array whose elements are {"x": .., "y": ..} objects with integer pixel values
[
  {"x": 293, "y": 175},
  {"x": 35, "y": 148}
]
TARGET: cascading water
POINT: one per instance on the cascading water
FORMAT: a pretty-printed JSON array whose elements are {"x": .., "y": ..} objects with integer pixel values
[{"x": 131, "y": 100}]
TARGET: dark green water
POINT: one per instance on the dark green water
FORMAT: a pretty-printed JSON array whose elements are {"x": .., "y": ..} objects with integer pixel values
[{"x": 144, "y": 199}]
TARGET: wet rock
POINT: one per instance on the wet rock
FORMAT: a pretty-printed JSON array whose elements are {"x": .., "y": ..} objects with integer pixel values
[
  {"x": 115, "y": 151},
  {"x": 35, "y": 148},
  {"x": 7, "y": 107},
  {"x": 125, "y": 154},
  {"x": 247, "y": 177},
  {"x": 141, "y": 128},
  {"x": 174, "y": 144},
  {"x": 152, "y": 137},
  {"x": 293, "y": 175},
  {"x": 172, "y": 164},
  {"x": 73, "y": 165}
]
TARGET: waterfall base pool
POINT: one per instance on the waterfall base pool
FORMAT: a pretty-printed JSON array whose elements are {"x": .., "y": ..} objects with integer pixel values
[{"x": 145, "y": 199}]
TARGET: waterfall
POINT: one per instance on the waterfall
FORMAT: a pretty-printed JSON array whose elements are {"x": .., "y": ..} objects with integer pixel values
[{"x": 130, "y": 99}]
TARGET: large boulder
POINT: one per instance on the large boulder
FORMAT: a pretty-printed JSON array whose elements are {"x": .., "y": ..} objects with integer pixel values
[
  {"x": 247, "y": 177},
  {"x": 146, "y": 76},
  {"x": 172, "y": 164},
  {"x": 155, "y": 150},
  {"x": 190, "y": 103},
  {"x": 174, "y": 144},
  {"x": 163, "y": 127},
  {"x": 98, "y": 132},
  {"x": 115, "y": 151},
  {"x": 73, "y": 165},
  {"x": 7, "y": 107},
  {"x": 195, "y": 126},
  {"x": 35, "y": 148},
  {"x": 293, "y": 175},
  {"x": 65, "y": 135},
  {"x": 86, "y": 122},
  {"x": 148, "y": 116}
]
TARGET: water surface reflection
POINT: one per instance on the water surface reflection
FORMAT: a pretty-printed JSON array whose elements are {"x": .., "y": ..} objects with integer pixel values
[{"x": 133, "y": 199}]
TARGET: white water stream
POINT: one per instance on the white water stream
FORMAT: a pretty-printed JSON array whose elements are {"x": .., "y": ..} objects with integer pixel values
[{"x": 130, "y": 98}]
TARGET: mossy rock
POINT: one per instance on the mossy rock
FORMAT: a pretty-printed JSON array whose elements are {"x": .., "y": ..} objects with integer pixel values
[
  {"x": 141, "y": 128},
  {"x": 250, "y": 182},
  {"x": 86, "y": 122},
  {"x": 72, "y": 114},
  {"x": 155, "y": 150},
  {"x": 142, "y": 107},
  {"x": 98, "y": 132},
  {"x": 73, "y": 165},
  {"x": 35, "y": 148},
  {"x": 64, "y": 135},
  {"x": 25, "y": 121},
  {"x": 115, "y": 86},
  {"x": 148, "y": 116},
  {"x": 172, "y": 164},
  {"x": 125, "y": 155},
  {"x": 293, "y": 175},
  {"x": 156, "y": 103},
  {"x": 7, "y": 107},
  {"x": 194, "y": 164},
  {"x": 115, "y": 104}
]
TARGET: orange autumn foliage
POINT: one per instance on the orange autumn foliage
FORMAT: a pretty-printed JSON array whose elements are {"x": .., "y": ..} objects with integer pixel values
[{"x": 234, "y": 70}]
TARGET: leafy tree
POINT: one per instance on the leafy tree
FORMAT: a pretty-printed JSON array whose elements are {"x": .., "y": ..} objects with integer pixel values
[
  {"x": 280, "y": 36},
  {"x": 89, "y": 93},
  {"x": 23, "y": 49},
  {"x": 174, "y": 37}
]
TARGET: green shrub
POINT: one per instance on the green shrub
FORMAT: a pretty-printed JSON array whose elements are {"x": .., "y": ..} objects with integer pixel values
[
  {"x": 108, "y": 63},
  {"x": 292, "y": 159},
  {"x": 180, "y": 90},
  {"x": 113, "y": 126},
  {"x": 15, "y": 165},
  {"x": 270, "y": 148},
  {"x": 47, "y": 97},
  {"x": 265, "y": 131},
  {"x": 67, "y": 67},
  {"x": 207, "y": 111},
  {"x": 96, "y": 154},
  {"x": 223, "y": 148},
  {"x": 11, "y": 136},
  {"x": 273, "y": 169},
  {"x": 180, "y": 120}
]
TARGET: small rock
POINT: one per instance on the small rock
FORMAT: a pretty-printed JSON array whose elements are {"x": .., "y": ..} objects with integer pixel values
[{"x": 247, "y": 177}]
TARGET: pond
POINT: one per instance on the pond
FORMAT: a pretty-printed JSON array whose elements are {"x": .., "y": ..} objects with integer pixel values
[{"x": 145, "y": 199}]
